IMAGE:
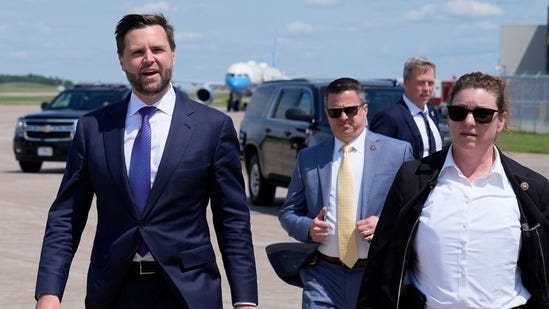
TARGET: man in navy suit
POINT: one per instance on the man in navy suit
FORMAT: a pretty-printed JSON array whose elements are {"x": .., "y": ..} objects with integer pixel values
[
  {"x": 312, "y": 210},
  {"x": 413, "y": 119},
  {"x": 160, "y": 255}
]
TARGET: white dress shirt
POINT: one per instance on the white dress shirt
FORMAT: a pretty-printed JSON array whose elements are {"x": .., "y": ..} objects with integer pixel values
[
  {"x": 414, "y": 110},
  {"x": 468, "y": 241},
  {"x": 160, "y": 126},
  {"x": 330, "y": 245}
]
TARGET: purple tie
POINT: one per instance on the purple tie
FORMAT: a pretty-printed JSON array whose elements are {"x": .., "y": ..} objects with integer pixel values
[{"x": 140, "y": 166}]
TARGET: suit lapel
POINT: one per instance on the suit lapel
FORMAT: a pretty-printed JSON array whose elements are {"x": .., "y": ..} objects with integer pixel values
[
  {"x": 417, "y": 143},
  {"x": 324, "y": 161},
  {"x": 181, "y": 128},
  {"x": 113, "y": 141},
  {"x": 372, "y": 148}
]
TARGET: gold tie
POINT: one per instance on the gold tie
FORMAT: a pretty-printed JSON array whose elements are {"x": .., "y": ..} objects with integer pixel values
[{"x": 346, "y": 214}]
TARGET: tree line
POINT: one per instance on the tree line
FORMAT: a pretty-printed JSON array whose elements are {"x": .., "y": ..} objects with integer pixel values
[{"x": 35, "y": 79}]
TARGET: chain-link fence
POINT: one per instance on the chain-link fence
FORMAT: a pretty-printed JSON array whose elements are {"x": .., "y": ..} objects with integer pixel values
[{"x": 529, "y": 100}]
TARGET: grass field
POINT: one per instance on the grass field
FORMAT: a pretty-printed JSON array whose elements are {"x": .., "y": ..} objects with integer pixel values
[
  {"x": 523, "y": 142},
  {"x": 26, "y": 94}
]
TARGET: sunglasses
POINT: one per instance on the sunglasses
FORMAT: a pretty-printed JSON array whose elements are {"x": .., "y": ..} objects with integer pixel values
[
  {"x": 481, "y": 115},
  {"x": 350, "y": 111}
]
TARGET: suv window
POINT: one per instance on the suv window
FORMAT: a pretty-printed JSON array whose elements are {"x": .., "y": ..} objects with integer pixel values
[
  {"x": 306, "y": 103},
  {"x": 379, "y": 99},
  {"x": 288, "y": 98},
  {"x": 259, "y": 101},
  {"x": 82, "y": 99}
]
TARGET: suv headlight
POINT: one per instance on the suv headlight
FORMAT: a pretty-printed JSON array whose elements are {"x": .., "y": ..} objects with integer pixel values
[{"x": 19, "y": 127}]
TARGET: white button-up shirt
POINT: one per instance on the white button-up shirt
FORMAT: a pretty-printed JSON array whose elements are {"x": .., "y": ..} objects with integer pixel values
[
  {"x": 468, "y": 241},
  {"x": 160, "y": 127}
]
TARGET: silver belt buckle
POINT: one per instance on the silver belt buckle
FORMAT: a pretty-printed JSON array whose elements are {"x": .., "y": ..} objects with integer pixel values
[{"x": 141, "y": 272}]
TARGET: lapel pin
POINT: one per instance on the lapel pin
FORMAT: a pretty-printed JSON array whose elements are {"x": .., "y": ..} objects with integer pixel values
[
  {"x": 524, "y": 186},
  {"x": 373, "y": 147}
]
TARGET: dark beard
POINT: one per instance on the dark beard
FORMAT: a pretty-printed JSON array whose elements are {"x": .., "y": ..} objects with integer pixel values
[{"x": 148, "y": 89}]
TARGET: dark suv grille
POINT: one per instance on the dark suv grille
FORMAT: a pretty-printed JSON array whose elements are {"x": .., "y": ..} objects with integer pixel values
[{"x": 51, "y": 130}]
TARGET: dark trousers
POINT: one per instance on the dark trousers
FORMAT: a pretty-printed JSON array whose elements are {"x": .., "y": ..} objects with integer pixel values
[{"x": 146, "y": 291}]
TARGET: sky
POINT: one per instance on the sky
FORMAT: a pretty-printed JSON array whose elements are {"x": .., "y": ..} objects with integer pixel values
[{"x": 74, "y": 39}]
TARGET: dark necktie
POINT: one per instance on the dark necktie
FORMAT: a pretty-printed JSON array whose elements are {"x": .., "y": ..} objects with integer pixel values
[
  {"x": 140, "y": 166},
  {"x": 431, "y": 137}
]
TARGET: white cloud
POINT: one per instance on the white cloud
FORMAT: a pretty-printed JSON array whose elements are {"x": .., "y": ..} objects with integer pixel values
[
  {"x": 323, "y": 2},
  {"x": 191, "y": 35},
  {"x": 352, "y": 29},
  {"x": 421, "y": 13},
  {"x": 153, "y": 7},
  {"x": 41, "y": 27},
  {"x": 469, "y": 8},
  {"x": 19, "y": 55},
  {"x": 472, "y": 8},
  {"x": 298, "y": 26}
]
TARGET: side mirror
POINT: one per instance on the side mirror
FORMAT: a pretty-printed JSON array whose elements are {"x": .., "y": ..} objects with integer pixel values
[{"x": 299, "y": 115}]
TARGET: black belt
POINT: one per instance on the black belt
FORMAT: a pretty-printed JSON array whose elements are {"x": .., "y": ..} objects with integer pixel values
[
  {"x": 144, "y": 268},
  {"x": 360, "y": 263}
]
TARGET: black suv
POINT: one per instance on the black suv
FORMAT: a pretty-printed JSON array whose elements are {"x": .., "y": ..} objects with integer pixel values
[
  {"x": 46, "y": 135},
  {"x": 286, "y": 116}
]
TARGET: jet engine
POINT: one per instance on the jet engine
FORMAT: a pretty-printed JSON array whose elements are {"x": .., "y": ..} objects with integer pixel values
[{"x": 205, "y": 95}]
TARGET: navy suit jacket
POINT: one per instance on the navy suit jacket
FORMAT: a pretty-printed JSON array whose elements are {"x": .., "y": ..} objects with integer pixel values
[
  {"x": 200, "y": 165},
  {"x": 397, "y": 122}
]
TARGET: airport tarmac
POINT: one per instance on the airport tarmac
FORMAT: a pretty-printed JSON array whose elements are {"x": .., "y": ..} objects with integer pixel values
[{"x": 25, "y": 199}]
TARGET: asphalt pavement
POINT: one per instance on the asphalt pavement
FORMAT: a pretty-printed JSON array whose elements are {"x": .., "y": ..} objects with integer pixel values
[{"x": 25, "y": 199}]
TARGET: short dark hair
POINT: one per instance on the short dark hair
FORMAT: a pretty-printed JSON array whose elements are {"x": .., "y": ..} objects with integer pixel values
[
  {"x": 344, "y": 84},
  {"x": 478, "y": 80},
  {"x": 138, "y": 21}
]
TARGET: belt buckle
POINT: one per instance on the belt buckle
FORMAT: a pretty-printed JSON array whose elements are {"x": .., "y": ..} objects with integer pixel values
[{"x": 141, "y": 272}]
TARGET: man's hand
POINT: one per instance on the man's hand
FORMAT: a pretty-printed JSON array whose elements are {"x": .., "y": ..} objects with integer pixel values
[
  {"x": 48, "y": 301},
  {"x": 319, "y": 229},
  {"x": 367, "y": 227}
]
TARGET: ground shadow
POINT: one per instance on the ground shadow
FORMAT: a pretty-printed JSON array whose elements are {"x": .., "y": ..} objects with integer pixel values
[
  {"x": 267, "y": 209},
  {"x": 51, "y": 170}
]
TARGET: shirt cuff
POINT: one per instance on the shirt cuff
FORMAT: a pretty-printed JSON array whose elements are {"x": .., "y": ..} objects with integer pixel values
[{"x": 244, "y": 304}]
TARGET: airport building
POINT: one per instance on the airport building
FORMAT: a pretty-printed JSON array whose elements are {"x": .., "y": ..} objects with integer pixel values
[
  {"x": 524, "y": 63},
  {"x": 524, "y": 49}
]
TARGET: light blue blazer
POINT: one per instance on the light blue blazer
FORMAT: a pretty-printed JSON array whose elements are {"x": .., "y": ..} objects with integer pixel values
[{"x": 309, "y": 188}]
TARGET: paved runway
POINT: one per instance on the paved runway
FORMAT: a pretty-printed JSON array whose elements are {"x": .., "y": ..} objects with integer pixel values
[{"x": 25, "y": 199}]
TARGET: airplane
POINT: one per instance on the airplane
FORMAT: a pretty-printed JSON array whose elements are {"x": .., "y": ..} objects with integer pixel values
[{"x": 242, "y": 77}]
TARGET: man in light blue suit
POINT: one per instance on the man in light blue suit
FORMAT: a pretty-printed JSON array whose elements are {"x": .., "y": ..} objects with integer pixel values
[{"x": 310, "y": 212}]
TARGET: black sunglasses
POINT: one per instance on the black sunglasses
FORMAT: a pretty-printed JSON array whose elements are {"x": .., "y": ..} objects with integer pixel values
[
  {"x": 481, "y": 115},
  {"x": 350, "y": 111}
]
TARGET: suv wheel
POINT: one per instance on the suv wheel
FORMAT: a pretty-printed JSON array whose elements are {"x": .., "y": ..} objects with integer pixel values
[
  {"x": 30, "y": 166},
  {"x": 261, "y": 191}
]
